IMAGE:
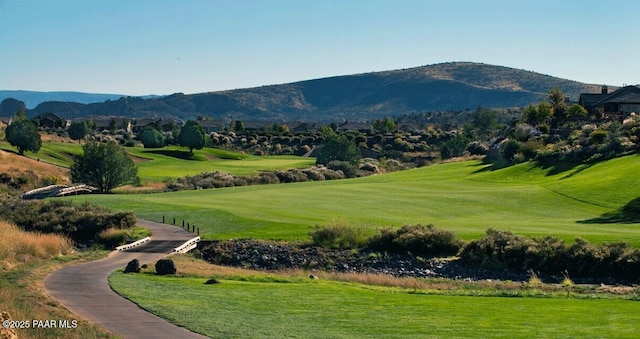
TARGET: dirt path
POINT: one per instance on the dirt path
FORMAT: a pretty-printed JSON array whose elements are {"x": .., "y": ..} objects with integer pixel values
[{"x": 85, "y": 291}]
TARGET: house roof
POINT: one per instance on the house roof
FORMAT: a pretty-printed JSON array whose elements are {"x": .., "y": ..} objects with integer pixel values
[
  {"x": 211, "y": 123},
  {"x": 5, "y": 120},
  {"x": 49, "y": 116},
  {"x": 624, "y": 95},
  {"x": 590, "y": 100}
]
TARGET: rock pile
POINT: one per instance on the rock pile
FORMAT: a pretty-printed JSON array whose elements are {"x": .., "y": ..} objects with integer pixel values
[{"x": 264, "y": 255}]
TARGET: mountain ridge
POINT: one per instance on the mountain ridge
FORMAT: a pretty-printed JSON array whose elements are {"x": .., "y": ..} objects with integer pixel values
[{"x": 438, "y": 87}]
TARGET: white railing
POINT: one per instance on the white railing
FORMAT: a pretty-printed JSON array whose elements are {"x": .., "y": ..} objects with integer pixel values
[
  {"x": 187, "y": 246},
  {"x": 133, "y": 244}
]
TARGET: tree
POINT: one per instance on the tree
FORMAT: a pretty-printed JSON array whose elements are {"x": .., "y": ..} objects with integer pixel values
[
  {"x": 78, "y": 130},
  {"x": 151, "y": 137},
  {"x": 23, "y": 134},
  {"x": 192, "y": 136},
  {"x": 536, "y": 116},
  {"x": 558, "y": 105},
  {"x": 104, "y": 166},
  {"x": 338, "y": 147},
  {"x": 238, "y": 126},
  {"x": 385, "y": 125},
  {"x": 485, "y": 122},
  {"x": 576, "y": 112}
]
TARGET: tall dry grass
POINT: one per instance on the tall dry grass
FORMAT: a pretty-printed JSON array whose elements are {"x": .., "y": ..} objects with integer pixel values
[
  {"x": 14, "y": 165},
  {"x": 18, "y": 246}
]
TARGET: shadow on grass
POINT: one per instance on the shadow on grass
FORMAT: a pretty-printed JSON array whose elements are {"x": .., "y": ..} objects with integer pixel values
[
  {"x": 627, "y": 214},
  {"x": 184, "y": 155},
  {"x": 553, "y": 168}
]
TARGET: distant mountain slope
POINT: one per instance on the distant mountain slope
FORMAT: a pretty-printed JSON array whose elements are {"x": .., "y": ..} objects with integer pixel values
[
  {"x": 447, "y": 86},
  {"x": 34, "y": 98}
]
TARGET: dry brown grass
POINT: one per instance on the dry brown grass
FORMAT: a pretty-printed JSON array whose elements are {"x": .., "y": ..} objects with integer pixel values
[
  {"x": 189, "y": 266},
  {"x": 18, "y": 247},
  {"x": 24, "y": 263},
  {"x": 14, "y": 165}
]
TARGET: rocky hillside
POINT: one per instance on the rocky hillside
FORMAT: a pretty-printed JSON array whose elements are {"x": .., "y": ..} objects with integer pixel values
[{"x": 447, "y": 86}]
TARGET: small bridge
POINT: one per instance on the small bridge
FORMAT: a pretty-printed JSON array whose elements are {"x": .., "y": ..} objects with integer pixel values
[{"x": 57, "y": 191}]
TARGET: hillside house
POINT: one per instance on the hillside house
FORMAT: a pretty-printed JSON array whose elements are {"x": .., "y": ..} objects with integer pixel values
[
  {"x": 354, "y": 126},
  {"x": 209, "y": 126},
  {"x": 105, "y": 123},
  {"x": 618, "y": 104},
  {"x": 304, "y": 127},
  {"x": 50, "y": 120}
]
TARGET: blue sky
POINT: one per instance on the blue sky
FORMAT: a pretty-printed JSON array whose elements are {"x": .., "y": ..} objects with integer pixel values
[{"x": 139, "y": 47}]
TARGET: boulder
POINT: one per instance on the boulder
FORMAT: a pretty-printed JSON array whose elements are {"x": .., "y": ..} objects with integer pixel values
[
  {"x": 165, "y": 266},
  {"x": 211, "y": 281},
  {"x": 133, "y": 266}
]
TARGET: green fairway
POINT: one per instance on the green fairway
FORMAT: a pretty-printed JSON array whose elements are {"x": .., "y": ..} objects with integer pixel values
[
  {"x": 164, "y": 164},
  {"x": 160, "y": 165},
  {"x": 463, "y": 197},
  {"x": 304, "y": 308}
]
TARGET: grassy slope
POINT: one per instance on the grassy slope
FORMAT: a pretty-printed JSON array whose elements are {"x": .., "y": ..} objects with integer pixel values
[
  {"x": 464, "y": 197},
  {"x": 156, "y": 167},
  {"x": 328, "y": 309}
]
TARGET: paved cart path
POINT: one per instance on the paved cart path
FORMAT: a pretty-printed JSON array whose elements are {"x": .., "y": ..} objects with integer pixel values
[{"x": 84, "y": 288}]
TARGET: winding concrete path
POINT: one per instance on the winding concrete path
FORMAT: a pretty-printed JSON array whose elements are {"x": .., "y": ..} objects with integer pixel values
[{"x": 84, "y": 288}]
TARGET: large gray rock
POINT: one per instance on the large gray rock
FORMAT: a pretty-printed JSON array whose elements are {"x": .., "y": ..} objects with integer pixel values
[
  {"x": 132, "y": 267},
  {"x": 165, "y": 266}
]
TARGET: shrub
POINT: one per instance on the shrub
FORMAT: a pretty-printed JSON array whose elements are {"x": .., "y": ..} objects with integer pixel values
[
  {"x": 113, "y": 237},
  {"x": 348, "y": 169},
  {"x": 339, "y": 236},
  {"x": 81, "y": 222},
  {"x": 499, "y": 249},
  {"x": 424, "y": 241}
]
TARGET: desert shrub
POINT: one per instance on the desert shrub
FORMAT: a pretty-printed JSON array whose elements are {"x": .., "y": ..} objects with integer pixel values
[
  {"x": 338, "y": 236},
  {"x": 498, "y": 249},
  {"x": 424, "y": 241},
  {"x": 598, "y": 136},
  {"x": 80, "y": 222},
  {"x": 265, "y": 178},
  {"x": 313, "y": 174},
  {"x": 292, "y": 175},
  {"x": 113, "y": 237},
  {"x": 349, "y": 170},
  {"x": 477, "y": 148},
  {"x": 550, "y": 255}
]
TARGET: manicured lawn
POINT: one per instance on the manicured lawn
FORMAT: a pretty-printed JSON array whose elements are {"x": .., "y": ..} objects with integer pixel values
[
  {"x": 464, "y": 197},
  {"x": 303, "y": 308},
  {"x": 159, "y": 165},
  {"x": 166, "y": 163}
]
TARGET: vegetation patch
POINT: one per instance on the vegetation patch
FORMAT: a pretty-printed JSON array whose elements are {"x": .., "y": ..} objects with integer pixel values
[{"x": 80, "y": 222}]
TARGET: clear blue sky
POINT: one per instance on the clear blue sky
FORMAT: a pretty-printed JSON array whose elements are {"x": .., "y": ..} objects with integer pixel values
[{"x": 140, "y": 47}]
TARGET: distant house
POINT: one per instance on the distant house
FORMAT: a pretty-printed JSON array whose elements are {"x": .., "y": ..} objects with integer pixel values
[
  {"x": 251, "y": 125},
  {"x": 618, "y": 104},
  {"x": 302, "y": 127},
  {"x": 159, "y": 123},
  {"x": 50, "y": 120},
  {"x": 354, "y": 126},
  {"x": 209, "y": 126},
  {"x": 106, "y": 123}
]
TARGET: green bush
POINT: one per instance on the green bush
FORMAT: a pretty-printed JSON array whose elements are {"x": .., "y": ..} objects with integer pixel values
[
  {"x": 500, "y": 249},
  {"x": 81, "y": 222},
  {"x": 339, "y": 236},
  {"x": 348, "y": 169},
  {"x": 424, "y": 241}
]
